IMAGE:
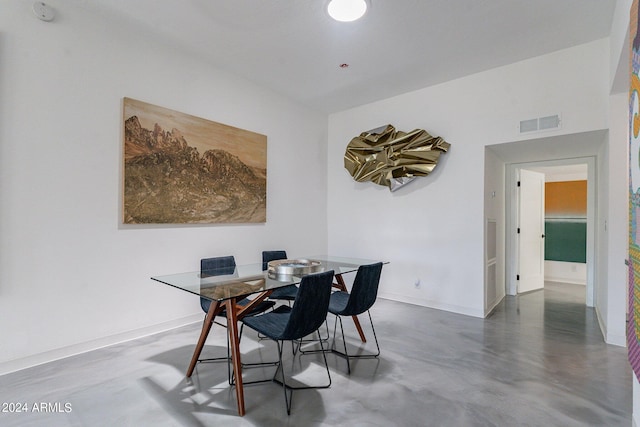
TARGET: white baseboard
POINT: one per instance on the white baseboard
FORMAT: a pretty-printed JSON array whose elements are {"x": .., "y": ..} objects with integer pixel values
[
  {"x": 565, "y": 280},
  {"x": 60, "y": 353},
  {"x": 619, "y": 340},
  {"x": 432, "y": 304},
  {"x": 492, "y": 307},
  {"x": 610, "y": 338},
  {"x": 603, "y": 327}
]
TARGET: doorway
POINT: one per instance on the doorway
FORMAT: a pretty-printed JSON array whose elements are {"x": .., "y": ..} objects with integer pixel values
[{"x": 534, "y": 258}]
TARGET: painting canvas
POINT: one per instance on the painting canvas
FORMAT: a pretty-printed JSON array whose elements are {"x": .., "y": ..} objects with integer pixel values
[{"x": 181, "y": 169}]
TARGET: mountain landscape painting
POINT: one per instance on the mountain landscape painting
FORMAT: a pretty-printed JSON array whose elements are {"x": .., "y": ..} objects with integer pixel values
[{"x": 181, "y": 169}]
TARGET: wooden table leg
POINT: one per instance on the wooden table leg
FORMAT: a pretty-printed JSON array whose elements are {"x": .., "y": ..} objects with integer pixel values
[
  {"x": 234, "y": 340},
  {"x": 206, "y": 327},
  {"x": 343, "y": 287}
]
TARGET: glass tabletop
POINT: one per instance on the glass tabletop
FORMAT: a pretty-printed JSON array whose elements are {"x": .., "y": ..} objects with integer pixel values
[{"x": 230, "y": 282}]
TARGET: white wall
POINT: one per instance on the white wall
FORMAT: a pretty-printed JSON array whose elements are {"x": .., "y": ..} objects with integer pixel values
[
  {"x": 71, "y": 277},
  {"x": 617, "y": 234},
  {"x": 619, "y": 44},
  {"x": 614, "y": 224},
  {"x": 613, "y": 175},
  {"x": 432, "y": 229},
  {"x": 566, "y": 272},
  {"x": 602, "y": 242}
]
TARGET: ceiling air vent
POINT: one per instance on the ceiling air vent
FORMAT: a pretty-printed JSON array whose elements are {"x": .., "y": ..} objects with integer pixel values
[{"x": 541, "y": 123}]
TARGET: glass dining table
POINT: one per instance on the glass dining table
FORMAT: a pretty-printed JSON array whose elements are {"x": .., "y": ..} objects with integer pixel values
[{"x": 227, "y": 286}]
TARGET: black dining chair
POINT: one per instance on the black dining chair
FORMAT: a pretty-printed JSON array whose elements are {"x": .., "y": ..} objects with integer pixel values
[
  {"x": 219, "y": 266},
  {"x": 285, "y": 293},
  {"x": 292, "y": 324},
  {"x": 363, "y": 294}
]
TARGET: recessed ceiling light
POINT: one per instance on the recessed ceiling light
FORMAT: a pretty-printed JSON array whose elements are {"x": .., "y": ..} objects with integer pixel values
[{"x": 346, "y": 10}]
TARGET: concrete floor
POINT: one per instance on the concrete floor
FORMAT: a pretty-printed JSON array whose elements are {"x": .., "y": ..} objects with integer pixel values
[{"x": 538, "y": 360}]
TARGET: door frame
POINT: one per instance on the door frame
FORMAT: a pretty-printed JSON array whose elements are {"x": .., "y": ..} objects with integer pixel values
[{"x": 511, "y": 220}]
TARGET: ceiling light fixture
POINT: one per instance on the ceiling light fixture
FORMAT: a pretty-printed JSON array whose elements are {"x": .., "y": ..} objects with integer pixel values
[{"x": 346, "y": 10}]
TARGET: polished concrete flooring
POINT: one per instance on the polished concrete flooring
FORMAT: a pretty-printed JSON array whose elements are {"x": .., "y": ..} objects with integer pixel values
[{"x": 538, "y": 360}]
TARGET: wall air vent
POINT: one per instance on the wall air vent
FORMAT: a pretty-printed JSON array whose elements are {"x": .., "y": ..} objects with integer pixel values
[
  {"x": 528, "y": 125},
  {"x": 549, "y": 122},
  {"x": 540, "y": 124}
]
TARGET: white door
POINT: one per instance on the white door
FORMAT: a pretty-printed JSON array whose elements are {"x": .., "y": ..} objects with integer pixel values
[{"x": 531, "y": 231}]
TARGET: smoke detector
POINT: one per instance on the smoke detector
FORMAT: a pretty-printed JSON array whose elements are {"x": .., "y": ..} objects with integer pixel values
[{"x": 43, "y": 11}]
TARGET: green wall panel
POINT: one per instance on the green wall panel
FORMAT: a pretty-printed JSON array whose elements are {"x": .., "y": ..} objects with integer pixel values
[{"x": 565, "y": 241}]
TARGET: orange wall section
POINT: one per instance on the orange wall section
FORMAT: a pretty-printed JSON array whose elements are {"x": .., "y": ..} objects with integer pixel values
[{"x": 566, "y": 199}]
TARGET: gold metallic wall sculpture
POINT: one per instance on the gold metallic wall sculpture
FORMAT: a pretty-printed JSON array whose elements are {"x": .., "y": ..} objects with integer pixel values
[{"x": 393, "y": 158}]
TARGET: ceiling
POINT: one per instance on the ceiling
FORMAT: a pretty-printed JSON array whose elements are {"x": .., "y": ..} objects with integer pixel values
[{"x": 294, "y": 48}]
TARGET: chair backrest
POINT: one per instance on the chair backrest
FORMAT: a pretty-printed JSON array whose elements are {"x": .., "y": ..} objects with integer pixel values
[
  {"x": 364, "y": 290},
  {"x": 311, "y": 305},
  {"x": 216, "y": 266},
  {"x": 271, "y": 256}
]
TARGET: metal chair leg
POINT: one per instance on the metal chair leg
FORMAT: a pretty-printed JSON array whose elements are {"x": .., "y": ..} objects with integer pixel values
[
  {"x": 246, "y": 365},
  {"x": 344, "y": 342},
  {"x": 289, "y": 397},
  {"x": 222, "y": 359},
  {"x": 345, "y": 354},
  {"x": 320, "y": 338}
]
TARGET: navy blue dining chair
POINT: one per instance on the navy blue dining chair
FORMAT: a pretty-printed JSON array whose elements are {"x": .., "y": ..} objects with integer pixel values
[
  {"x": 285, "y": 293},
  {"x": 306, "y": 316},
  {"x": 219, "y": 266},
  {"x": 361, "y": 298}
]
